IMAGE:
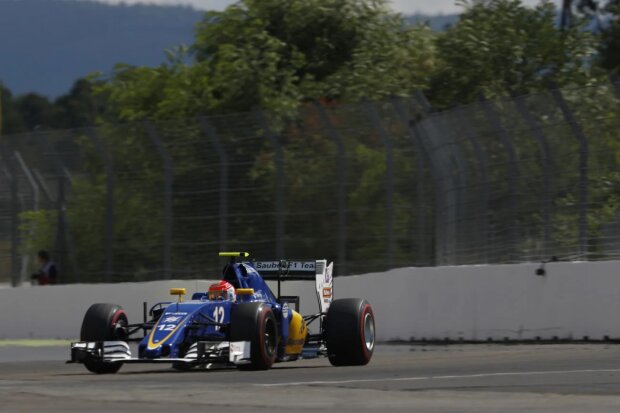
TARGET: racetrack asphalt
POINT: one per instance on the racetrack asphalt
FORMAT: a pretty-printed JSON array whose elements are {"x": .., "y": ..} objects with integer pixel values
[{"x": 400, "y": 378}]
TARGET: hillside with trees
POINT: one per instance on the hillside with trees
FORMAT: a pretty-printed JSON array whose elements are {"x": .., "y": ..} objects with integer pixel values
[{"x": 49, "y": 48}]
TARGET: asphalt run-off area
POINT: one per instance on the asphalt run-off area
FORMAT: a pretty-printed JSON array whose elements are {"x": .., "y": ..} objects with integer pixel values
[{"x": 454, "y": 378}]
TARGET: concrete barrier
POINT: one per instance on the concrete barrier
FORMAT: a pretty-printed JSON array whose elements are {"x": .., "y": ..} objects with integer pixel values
[
  {"x": 573, "y": 301},
  {"x": 57, "y": 311}
]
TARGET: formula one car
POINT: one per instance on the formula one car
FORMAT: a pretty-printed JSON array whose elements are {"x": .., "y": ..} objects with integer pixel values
[{"x": 238, "y": 322}]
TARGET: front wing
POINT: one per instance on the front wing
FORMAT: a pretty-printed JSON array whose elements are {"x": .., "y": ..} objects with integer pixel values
[{"x": 202, "y": 352}]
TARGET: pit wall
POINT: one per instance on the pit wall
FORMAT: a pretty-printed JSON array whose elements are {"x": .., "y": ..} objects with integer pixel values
[{"x": 478, "y": 303}]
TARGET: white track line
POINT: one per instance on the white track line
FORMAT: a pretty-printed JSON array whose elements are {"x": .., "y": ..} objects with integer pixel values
[{"x": 418, "y": 378}]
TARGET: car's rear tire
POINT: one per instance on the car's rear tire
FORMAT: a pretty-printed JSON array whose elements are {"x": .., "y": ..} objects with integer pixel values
[
  {"x": 350, "y": 332},
  {"x": 104, "y": 322},
  {"x": 256, "y": 323}
]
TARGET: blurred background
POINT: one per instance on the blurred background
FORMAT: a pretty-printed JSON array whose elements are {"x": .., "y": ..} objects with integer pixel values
[{"x": 138, "y": 140}]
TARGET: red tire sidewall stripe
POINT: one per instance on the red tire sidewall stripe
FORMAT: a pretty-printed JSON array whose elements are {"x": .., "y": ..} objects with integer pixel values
[
  {"x": 117, "y": 315},
  {"x": 367, "y": 309}
]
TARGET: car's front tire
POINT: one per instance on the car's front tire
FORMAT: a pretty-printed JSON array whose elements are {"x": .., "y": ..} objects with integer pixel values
[
  {"x": 104, "y": 322},
  {"x": 256, "y": 323},
  {"x": 350, "y": 332}
]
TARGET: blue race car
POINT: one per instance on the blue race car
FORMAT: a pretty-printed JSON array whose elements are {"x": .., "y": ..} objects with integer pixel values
[{"x": 238, "y": 322}]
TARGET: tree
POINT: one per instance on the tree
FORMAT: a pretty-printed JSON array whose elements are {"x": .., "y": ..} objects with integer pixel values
[
  {"x": 503, "y": 46},
  {"x": 277, "y": 54},
  {"x": 78, "y": 108},
  {"x": 36, "y": 111},
  {"x": 11, "y": 120}
]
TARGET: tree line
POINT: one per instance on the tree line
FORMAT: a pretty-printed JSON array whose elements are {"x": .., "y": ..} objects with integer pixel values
[{"x": 279, "y": 54}]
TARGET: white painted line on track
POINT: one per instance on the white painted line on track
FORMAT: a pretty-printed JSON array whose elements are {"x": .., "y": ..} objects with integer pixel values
[{"x": 419, "y": 378}]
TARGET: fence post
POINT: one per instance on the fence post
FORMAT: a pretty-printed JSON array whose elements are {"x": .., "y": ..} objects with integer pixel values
[
  {"x": 481, "y": 215},
  {"x": 459, "y": 238},
  {"x": 424, "y": 132},
  {"x": 342, "y": 189},
  {"x": 420, "y": 209},
  {"x": 547, "y": 159},
  {"x": 60, "y": 241},
  {"x": 71, "y": 251},
  {"x": 514, "y": 173},
  {"x": 108, "y": 236},
  {"x": 64, "y": 242},
  {"x": 428, "y": 109},
  {"x": 615, "y": 81},
  {"x": 279, "y": 187},
  {"x": 421, "y": 98},
  {"x": 15, "y": 238},
  {"x": 35, "y": 206},
  {"x": 14, "y": 212},
  {"x": 167, "y": 164},
  {"x": 583, "y": 167},
  {"x": 29, "y": 178},
  {"x": 424, "y": 257},
  {"x": 211, "y": 134},
  {"x": 389, "y": 179},
  {"x": 42, "y": 186}
]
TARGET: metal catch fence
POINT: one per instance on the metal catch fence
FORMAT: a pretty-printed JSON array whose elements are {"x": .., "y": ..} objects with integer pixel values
[{"x": 371, "y": 185}]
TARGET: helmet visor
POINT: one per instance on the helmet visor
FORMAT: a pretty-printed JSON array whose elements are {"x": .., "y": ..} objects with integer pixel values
[{"x": 218, "y": 294}]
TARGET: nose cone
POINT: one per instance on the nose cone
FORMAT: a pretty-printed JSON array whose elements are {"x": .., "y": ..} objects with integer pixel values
[
  {"x": 165, "y": 336},
  {"x": 159, "y": 351}
]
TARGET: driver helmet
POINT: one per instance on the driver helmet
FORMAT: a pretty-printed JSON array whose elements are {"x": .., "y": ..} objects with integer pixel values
[{"x": 222, "y": 290}]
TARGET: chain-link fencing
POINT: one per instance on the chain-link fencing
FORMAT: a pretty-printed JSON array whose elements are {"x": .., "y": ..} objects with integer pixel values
[{"x": 371, "y": 185}]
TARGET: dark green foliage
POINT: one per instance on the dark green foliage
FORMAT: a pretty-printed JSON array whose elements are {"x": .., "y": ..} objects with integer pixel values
[
  {"x": 33, "y": 112},
  {"x": 500, "y": 47},
  {"x": 277, "y": 54},
  {"x": 609, "y": 48}
]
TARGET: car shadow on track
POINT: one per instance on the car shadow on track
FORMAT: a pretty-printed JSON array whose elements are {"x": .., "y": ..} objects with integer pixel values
[{"x": 193, "y": 371}]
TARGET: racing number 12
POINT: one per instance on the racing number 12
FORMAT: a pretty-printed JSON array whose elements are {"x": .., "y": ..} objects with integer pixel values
[{"x": 218, "y": 316}]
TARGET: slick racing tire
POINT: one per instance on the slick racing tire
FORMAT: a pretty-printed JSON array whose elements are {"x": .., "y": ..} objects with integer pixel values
[
  {"x": 350, "y": 332},
  {"x": 256, "y": 323},
  {"x": 104, "y": 322}
]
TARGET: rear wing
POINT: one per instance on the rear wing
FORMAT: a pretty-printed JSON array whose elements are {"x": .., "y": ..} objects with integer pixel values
[{"x": 285, "y": 270}]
